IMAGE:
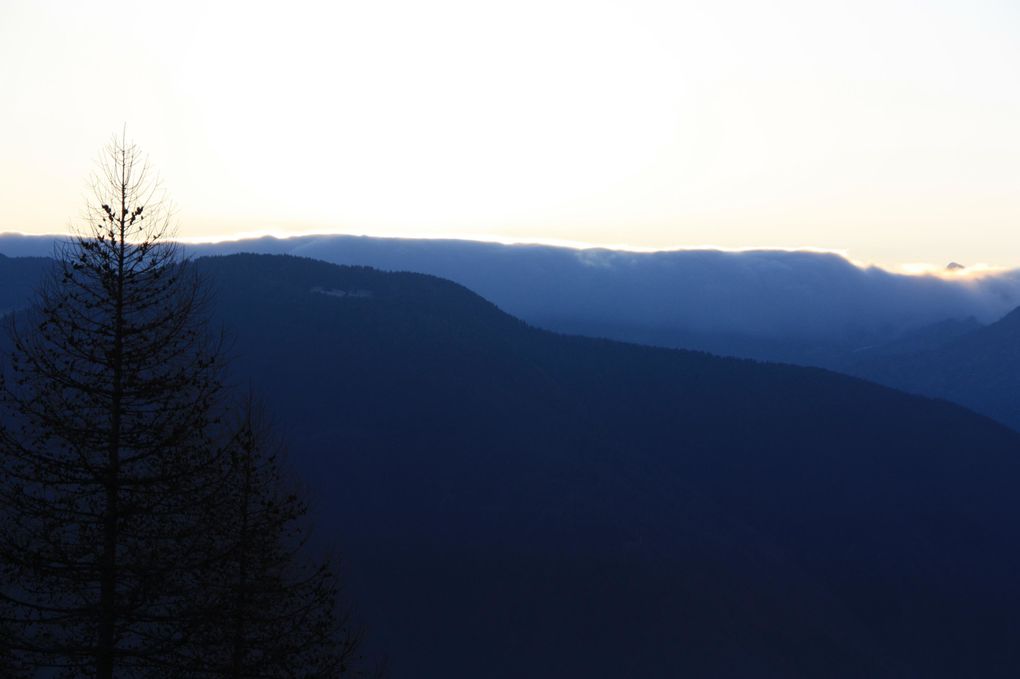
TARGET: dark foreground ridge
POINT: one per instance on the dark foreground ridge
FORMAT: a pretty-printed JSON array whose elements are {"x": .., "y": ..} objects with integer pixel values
[{"x": 512, "y": 502}]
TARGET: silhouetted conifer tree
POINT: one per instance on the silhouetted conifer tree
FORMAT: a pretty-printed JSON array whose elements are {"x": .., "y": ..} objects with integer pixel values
[
  {"x": 106, "y": 440},
  {"x": 139, "y": 537}
]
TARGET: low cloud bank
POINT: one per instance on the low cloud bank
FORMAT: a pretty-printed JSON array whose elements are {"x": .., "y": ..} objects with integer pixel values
[
  {"x": 781, "y": 295},
  {"x": 766, "y": 293}
]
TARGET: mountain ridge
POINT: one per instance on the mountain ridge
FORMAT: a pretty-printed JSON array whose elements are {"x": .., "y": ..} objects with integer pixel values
[
  {"x": 509, "y": 498},
  {"x": 792, "y": 306}
]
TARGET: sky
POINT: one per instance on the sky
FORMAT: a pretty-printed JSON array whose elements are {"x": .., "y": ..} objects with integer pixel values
[{"x": 887, "y": 131}]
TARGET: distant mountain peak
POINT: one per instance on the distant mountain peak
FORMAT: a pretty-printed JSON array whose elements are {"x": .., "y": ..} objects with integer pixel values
[{"x": 955, "y": 266}]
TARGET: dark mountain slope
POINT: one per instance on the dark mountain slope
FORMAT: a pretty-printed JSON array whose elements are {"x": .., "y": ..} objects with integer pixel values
[
  {"x": 18, "y": 278},
  {"x": 979, "y": 369},
  {"x": 517, "y": 502}
]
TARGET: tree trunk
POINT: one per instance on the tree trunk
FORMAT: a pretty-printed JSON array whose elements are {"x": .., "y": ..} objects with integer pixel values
[{"x": 106, "y": 646}]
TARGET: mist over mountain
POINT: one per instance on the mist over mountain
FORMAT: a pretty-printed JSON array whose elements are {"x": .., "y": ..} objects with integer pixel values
[
  {"x": 20, "y": 245},
  {"x": 813, "y": 294},
  {"x": 801, "y": 307},
  {"x": 978, "y": 367},
  {"x": 693, "y": 295}
]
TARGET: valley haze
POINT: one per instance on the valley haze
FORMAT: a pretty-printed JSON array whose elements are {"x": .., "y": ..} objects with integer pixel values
[{"x": 796, "y": 306}]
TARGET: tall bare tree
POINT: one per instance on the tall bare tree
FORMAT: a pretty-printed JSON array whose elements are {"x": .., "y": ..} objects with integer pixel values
[{"x": 107, "y": 440}]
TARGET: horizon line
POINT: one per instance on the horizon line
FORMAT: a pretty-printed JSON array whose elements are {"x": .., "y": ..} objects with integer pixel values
[{"x": 978, "y": 269}]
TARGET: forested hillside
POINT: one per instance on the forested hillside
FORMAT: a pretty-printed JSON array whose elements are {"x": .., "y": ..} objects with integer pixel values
[{"x": 512, "y": 501}]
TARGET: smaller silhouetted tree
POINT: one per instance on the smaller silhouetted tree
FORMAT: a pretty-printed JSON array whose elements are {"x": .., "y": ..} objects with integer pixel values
[{"x": 268, "y": 609}]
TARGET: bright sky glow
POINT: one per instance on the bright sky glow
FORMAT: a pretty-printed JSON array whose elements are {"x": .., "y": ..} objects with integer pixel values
[{"x": 889, "y": 130}]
